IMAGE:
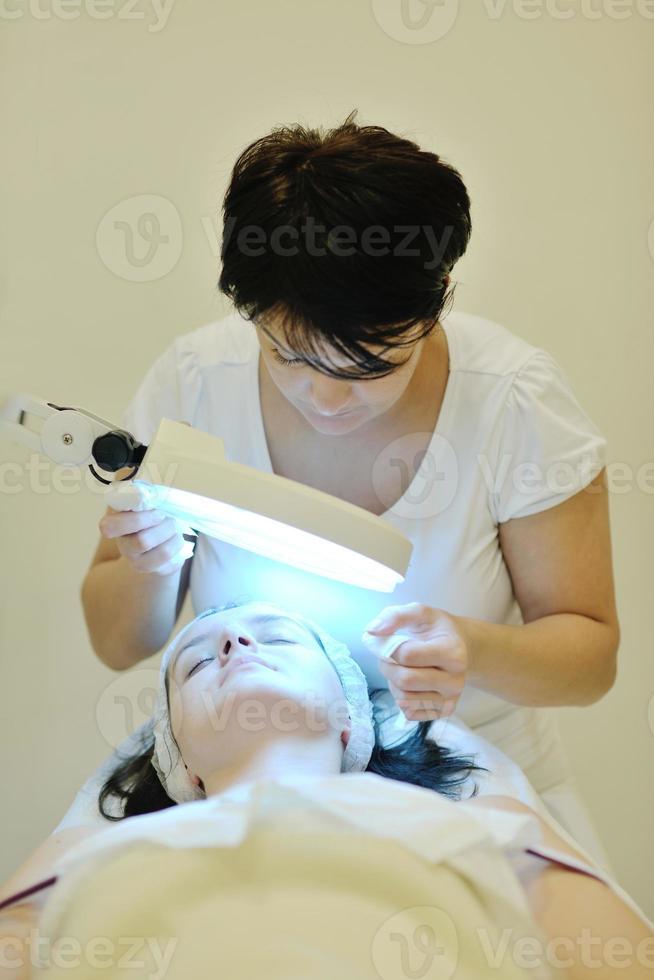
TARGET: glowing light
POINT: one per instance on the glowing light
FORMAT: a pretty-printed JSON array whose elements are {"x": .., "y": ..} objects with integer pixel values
[{"x": 276, "y": 540}]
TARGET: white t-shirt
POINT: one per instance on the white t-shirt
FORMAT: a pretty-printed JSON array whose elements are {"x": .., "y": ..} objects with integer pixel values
[{"x": 511, "y": 440}]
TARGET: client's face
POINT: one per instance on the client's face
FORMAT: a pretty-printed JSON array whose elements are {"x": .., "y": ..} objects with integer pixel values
[{"x": 245, "y": 678}]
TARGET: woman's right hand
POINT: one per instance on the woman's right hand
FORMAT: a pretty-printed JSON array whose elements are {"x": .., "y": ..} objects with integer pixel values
[{"x": 149, "y": 540}]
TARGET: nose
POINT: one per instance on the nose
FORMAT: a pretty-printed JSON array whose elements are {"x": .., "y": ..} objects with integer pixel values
[
  {"x": 329, "y": 397},
  {"x": 234, "y": 639}
]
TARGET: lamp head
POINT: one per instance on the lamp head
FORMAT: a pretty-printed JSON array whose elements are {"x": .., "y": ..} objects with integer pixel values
[
  {"x": 188, "y": 477},
  {"x": 269, "y": 514}
]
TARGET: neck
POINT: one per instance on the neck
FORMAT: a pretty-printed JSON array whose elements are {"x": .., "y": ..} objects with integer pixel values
[
  {"x": 279, "y": 762},
  {"x": 429, "y": 376},
  {"x": 425, "y": 388}
]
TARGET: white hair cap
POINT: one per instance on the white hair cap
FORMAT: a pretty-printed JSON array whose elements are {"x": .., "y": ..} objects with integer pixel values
[{"x": 168, "y": 762}]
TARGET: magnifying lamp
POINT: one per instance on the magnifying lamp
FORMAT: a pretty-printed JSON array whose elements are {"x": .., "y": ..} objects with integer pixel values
[{"x": 186, "y": 475}]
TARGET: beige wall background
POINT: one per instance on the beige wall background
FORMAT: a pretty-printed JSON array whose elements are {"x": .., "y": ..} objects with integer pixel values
[{"x": 543, "y": 108}]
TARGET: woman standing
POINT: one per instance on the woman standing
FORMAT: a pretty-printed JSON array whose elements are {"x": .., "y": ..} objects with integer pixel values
[{"x": 342, "y": 369}]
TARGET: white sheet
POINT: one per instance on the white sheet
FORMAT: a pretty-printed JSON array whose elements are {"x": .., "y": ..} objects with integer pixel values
[
  {"x": 313, "y": 880},
  {"x": 292, "y": 866},
  {"x": 504, "y": 778}
]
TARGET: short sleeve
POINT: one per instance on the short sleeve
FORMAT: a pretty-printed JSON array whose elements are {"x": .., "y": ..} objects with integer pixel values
[
  {"x": 170, "y": 389},
  {"x": 549, "y": 448}
]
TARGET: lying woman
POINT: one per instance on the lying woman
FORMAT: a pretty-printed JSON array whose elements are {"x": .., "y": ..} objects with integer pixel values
[{"x": 263, "y": 827}]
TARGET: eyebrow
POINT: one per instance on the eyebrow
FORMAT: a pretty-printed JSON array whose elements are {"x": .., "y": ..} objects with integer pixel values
[{"x": 260, "y": 620}]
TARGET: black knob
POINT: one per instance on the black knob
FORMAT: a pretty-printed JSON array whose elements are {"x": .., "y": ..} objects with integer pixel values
[{"x": 116, "y": 449}]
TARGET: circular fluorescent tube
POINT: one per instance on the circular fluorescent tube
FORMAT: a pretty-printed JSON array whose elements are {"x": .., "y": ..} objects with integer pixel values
[{"x": 269, "y": 514}]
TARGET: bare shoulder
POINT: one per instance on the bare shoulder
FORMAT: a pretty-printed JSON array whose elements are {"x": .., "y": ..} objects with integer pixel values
[
  {"x": 502, "y": 803},
  {"x": 40, "y": 864},
  {"x": 549, "y": 834}
]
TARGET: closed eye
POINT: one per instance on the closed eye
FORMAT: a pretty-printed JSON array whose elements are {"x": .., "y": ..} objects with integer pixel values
[
  {"x": 203, "y": 661},
  {"x": 285, "y": 360}
]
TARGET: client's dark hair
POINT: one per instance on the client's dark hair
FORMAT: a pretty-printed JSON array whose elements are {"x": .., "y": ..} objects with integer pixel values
[
  {"x": 292, "y": 197},
  {"x": 418, "y": 759}
]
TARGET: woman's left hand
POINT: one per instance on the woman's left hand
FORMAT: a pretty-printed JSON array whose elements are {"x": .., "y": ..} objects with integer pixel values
[{"x": 426, "y": 675}]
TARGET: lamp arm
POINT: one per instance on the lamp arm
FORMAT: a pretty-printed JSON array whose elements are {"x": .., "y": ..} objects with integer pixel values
[{"x": 70, "y": 436}]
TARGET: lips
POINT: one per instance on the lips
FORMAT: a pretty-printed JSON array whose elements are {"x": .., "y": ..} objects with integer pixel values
[
  {"x": 333, "y": 415},
  {"x": 336, "y": 415},
  {"x": 243, "y": 658}
]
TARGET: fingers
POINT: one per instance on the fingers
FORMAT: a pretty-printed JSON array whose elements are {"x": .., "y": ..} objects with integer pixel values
[
  {"x": 412, "y": 680},
  {"x": 162, "y": 558},
  {"x": 447, "y": 653},
  {"x": 140, "y": 542},
  {"x": 412, "y": 713},
  {"x": 416, "y": 615},
  {"x": 423, "y": 706},
  {"x": 117, "y": 523},
  {"x": 148, "y": 539},
  {"x": 169, "y": 567}
]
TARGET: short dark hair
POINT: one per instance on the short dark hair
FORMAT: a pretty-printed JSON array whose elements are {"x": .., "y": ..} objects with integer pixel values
[{"x": 363, "y": 180}]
